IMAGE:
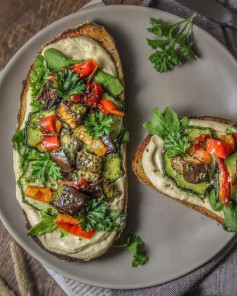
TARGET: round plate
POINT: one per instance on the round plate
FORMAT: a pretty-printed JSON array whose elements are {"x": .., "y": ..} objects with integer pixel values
[{"x": 178, "y": 239}]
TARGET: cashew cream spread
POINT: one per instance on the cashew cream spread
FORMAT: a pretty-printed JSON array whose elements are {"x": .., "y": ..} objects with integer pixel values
[
  {"x": 86, "y": 249},
  {"x": 153, "y": 167}
]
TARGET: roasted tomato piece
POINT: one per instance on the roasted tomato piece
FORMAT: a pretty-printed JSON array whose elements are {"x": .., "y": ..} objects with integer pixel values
[
  {"x": 199, "y": 153},
  {"x": 201, "y": 140},
  {"x": 92, "y": 94}
]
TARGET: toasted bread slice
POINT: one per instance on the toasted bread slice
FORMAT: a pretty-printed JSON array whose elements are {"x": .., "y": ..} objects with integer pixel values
[
  {"x": 102, "y": 36},
  {"x": 142, "y": 177}
]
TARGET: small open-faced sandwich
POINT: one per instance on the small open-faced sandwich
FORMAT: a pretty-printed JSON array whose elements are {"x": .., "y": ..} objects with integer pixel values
[
  {"x": 192, "y": 160},
  {"x": 69, "y": 152}
]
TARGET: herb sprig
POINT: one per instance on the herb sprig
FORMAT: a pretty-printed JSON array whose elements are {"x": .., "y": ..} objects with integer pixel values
[
  {"x": 135, "y": 245},
  {"x": 175, "y": 43},
  {"x": 45, "y": 169},
  {"x": 69, "y": 84},
  {"x": 98, "y": 216},
  {"x": 38, "y": 77},
  {"x": 97, "y": 125},
  {"x": 167, "y": 126}
]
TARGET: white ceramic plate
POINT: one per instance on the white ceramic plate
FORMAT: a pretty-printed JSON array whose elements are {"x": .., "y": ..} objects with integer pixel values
[{"x": 178, "y": 239}]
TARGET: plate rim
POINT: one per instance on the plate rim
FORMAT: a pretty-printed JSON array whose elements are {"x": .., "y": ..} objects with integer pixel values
[{"x": 13, "y": 233}]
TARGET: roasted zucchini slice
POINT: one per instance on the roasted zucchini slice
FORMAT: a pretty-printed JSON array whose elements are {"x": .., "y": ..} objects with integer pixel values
[
  {"x": 32, "y": 133},
  {"x": 112, "y": 167}
]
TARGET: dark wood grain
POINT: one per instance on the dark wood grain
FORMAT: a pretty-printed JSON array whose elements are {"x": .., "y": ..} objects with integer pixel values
[{"x": 19, "y": 21}]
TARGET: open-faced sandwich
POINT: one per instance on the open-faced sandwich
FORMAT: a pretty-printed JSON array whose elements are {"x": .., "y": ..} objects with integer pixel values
[
  {"x": 192, "y": 160},
  {"x": 69, "y": 156}
]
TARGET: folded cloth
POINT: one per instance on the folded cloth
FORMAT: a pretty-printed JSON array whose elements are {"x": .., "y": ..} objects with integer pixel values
[{"x": 217, "y": 277}]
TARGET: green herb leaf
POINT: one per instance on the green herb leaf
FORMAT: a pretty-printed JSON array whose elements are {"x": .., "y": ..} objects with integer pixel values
[
  {"x": 175, "y": 45},
  {"x": 111, "y": 83},
  {"x": 45, "y": 169},
  {"x": 25, "y": 153},
  {"x": 56, "y": 60},
  {"x": 167, "y": 126},
  {"x": 175, "y": 143},
  {"x": 230, "y": 213},
  {"x": 125, "y": 138},
  {"x": 69, "y": 84},
  {"x": 215, "y": 205},
  {"x": 135, "y": 245},
  {"x": 97, "y": 125},
  {"x": 62, "y": 232},
  {"x": 38, "y": 77},
  {"x": 45, "y": 226},
  {"x": 98, "y": 216},
  {"x": 229, "y": 129}
]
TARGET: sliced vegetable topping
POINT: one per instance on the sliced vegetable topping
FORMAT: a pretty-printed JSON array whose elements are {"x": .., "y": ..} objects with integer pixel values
[
  {"x": 38, "y": 193},
  {"x": 107, "y": 107},
  {"x": 85, "y": 69},
  {"x": 71, "y": 225},
  {"x": 219, "y": 148},
  {"x": 92, "y": 94},
  {"x": 49, "y": 125},
  {"x": 224, "y": 182}
]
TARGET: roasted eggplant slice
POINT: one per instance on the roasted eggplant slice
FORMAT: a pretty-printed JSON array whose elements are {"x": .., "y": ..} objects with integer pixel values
[
  {"x": 48, "y": 96},
  {"x": 88, "y": 166},
  {"x": 95, "y": 189},
  {"x": 108, "y": 143},
  {"x": 109, "y": 189},
  {"x": 60, "y": 158},
  {"x": 71, "y": 114},
  {"x": 69, "y": 200},
  {"x": 69, "y": 144}
]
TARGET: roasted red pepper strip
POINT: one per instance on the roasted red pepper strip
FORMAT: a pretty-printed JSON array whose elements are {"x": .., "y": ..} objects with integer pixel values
[
  {"x": 92, "y": 94},
  {"x": 49, "y": 125},
  {"x": 224, "y": 182},
  {"x": 108, "y": 107},
  {"x": 197, "y": 152},
  {"x": 72, "y": 226},
  {"x": 84, "y": 69},
  {"x": 75, "y": 98},
  {"x": 50, "y": 142},
  {"x": 79, "y": 184},
  {"x": 219, "y": 148},
  {"x": 229, "y": 139},
  {"x": 201, "y": 140},
  {"x": 38, "y": 193}
]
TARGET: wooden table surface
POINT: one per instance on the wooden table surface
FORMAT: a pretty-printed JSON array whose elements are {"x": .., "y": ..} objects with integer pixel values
[{"x": 19, "y": 21}]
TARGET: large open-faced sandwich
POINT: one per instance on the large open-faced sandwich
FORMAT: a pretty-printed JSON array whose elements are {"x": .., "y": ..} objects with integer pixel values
[
  {"x": 69, "y": 152},
  {"x": 192, "y": 160}
]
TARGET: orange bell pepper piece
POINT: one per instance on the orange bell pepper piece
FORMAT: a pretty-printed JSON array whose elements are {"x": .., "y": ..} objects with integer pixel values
[
  {"x": 38, "y": 193},
  {"x": 71, "y": 225},
  {"x": 96, "y": 145},
  {"x": 219, "y": 148}
]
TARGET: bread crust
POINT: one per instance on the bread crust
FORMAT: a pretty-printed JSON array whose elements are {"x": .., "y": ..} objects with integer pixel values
[
  {"x": 142, "y": 177},
  {"x": 102, "y": 36}
]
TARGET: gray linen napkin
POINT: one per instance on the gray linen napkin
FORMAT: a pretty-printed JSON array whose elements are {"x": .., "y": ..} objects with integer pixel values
[{"x": 218, "y": 277}]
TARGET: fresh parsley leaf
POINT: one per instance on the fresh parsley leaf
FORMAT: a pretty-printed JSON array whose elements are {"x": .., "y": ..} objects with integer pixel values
[
  {"x": 98, "y": 216},
  {"x": 97, "y": 125},
  {"x": 38, "y": 77},
  {"x": 62, "y": 232},
  {"x": 45, "y": 169},
  {"x": 175, "y": 45},
  {"x": 25, "y": 153},
  {"x": 167, "y": 126},
  {"x": 230, "y": 214},
  {"x": 45, "y": 226},
  {"x": 175, "y": 143},
  {"x": 69, "y": 84},
  {"x": 229, "y": 129},
  {"x": 135, "y": 245}
]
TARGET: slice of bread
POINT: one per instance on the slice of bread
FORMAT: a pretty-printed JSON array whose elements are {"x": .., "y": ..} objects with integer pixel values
[
  {"x": 102, "y": 36},
  {"x": 142, "y": 177}
]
